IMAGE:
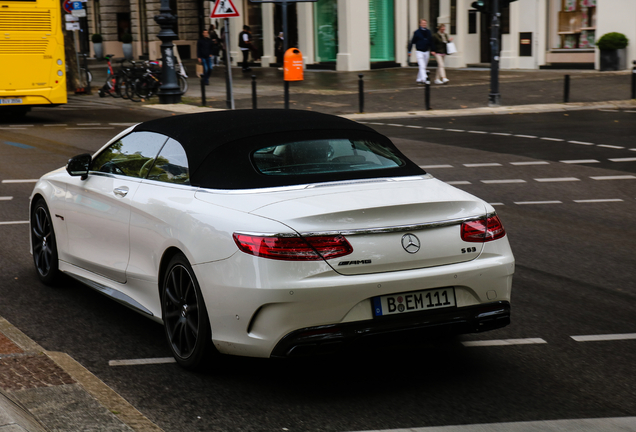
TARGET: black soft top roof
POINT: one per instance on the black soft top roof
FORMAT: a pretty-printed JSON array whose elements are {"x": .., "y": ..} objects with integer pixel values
[{"x": 215, "y": 163}]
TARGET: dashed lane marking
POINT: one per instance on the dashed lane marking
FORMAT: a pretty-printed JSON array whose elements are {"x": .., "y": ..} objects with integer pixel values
[
  {"x": 530, "y": 163},
  {"x": 435, "y": 166},
  {"x": 526, "y": 136},
  {"x": 501, "y": 134},
  {"x": 580, "y": 161},
  {"x": 504, "y": 342},
  {"x": 630, "y": 159},
  {"x": 537, "y": 202},
  {"x": 459, "y": 182},
  {"x": 132, "y": 124},
  {"x": 481, "y": 165},
  {"x": 599, "y": 200},
  {"x": 581, "y": 142},
  {"x": 611, "y": 146},
  {"x": 21, "y": 181},
  {"x": 552, "y": 139},
  {"x": 6, "y": 198},
  {"x": 14, "y": 222},
  {"x": 557, "y": 179},
  {"x": 503, "y": 181},
  {"x": 90, "y": 128},
  {"x": 605, "y": 337},
  {"x": 455, "y": 130},
  {"x": 146, "y": 361},
  {"x": 619, "y": 177},
  {"x": 478, "y": 132},
  {"x": 56, "y": 125}
]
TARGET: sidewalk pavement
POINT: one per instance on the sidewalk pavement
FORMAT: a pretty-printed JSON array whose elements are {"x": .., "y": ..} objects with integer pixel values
[
  {"x": 44, "y": 390},
  {"x": 49, "y": 391},
  {"x": 394, "y": 93}
]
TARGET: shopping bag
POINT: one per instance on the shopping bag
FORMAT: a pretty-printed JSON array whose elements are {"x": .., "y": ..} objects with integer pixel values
[
  {"x": 450, "y": 48},
  {"x": 199, "y": 70}
]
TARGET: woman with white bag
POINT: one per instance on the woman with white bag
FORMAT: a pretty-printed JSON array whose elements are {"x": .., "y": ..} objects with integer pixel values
[{"x": 440, "y": 44}]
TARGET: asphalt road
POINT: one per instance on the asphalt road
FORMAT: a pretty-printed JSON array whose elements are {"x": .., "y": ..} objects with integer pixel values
[{"x": 565, "y": 189}]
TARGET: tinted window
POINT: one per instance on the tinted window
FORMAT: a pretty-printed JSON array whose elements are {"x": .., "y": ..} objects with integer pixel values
[
  {"x": 171, "y": 165},
  {"x": 132, "y": 155},
  {"x": 324, "y": 156}
]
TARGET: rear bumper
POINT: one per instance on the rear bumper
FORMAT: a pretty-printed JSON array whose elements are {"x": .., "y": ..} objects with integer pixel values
[{"x": 393, "y": 330}]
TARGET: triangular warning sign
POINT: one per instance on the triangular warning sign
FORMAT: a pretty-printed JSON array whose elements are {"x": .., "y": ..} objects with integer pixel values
[{"x": 224, "y": 9}]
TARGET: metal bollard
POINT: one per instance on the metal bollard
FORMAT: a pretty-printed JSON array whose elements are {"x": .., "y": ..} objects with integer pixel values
[
  {"x": 361, "y": 93},
  {"x": 203, "y": 101},
  {"x": 566, "y": 89},
  {"x": 634, "y": 81},
  {"x": 427, "y": 95},
  {"x": 253, "y": 91},
  {"x": 286, "y": 94}
]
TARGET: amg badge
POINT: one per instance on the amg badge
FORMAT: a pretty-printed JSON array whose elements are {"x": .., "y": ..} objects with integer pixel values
[{"x": 344, "y": 263}]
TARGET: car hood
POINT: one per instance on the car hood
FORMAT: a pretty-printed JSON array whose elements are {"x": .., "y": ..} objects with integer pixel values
[{"x": 374, "y": 218}]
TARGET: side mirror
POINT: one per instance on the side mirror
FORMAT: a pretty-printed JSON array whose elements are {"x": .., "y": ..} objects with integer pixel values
[{"x": 79, "y": 165}]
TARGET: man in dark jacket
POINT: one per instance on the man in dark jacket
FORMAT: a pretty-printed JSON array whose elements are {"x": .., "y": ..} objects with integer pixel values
[
  {"x": 205, "y": 48},
  {"x": 423, "y": 41}
]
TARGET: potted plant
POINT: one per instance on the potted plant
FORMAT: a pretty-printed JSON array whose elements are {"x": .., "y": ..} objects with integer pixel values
[
  {"x": 612, "y": 48},
  {"x": 127, "y": 39},
  {"x": 98, "y": 47}
]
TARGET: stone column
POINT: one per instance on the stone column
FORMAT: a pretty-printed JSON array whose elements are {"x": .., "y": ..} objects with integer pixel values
[
  {"x": 354, "y": 50},
  {"x": 306, "y": 31},
  {"x": 269, "y": 56}
]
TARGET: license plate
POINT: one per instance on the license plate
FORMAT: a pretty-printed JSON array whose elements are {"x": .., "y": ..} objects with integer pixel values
[
  {"x": 10, "y": 101},
  {"x": 414, "y": 301}
]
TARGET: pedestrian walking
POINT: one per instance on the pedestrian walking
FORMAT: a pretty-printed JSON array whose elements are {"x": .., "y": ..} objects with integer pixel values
[
  {"x": 279, "y": 43},
  {"x": 216, "y": 40},
  {"x": 440, "y": 41},
  {"x": 204, "y": 55},
  {"x": 423, "y": 41},
  {"x": 245, "y": 39}
]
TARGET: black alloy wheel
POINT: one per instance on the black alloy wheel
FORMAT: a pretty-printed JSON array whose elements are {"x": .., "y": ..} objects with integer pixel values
[
  {"x": 43, "y": 243},
  {"x": 184, "y": 315}
]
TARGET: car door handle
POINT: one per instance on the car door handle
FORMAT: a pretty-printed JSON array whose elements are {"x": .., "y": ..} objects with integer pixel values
[{"x": 121, "y": 191}]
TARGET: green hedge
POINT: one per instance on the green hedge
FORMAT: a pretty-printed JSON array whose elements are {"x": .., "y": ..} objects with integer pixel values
[{"x": 612, "y": 41}]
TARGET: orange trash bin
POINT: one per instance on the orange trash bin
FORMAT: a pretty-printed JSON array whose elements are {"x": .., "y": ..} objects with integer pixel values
[{"x": 293, "y": 64}]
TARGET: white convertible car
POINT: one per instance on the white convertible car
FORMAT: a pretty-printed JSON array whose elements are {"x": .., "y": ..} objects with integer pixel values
[{"x": 272, "y": 233}]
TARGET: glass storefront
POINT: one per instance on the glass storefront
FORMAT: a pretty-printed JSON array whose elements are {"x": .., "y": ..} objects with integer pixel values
[
  {"x": 576, "y": 25},
  {"x": 381, "y": 29},
  {"x": 326, "y": 30}
]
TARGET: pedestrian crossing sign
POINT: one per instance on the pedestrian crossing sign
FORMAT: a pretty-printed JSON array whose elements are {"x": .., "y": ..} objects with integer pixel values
[{"x": 224, "y": 9}]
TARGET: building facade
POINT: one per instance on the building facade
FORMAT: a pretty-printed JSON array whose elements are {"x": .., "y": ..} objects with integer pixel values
[{"x": 358, "y": 35}]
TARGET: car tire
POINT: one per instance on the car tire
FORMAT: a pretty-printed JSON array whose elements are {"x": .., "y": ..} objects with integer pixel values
[
  {"x": 43, "y": 242},
  {"x": 184, "y": 315}
]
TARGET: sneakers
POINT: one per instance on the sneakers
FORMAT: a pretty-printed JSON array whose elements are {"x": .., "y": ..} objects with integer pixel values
[
  {"x": 445, "y": 80},
  {"x": 439, "y": 82}
]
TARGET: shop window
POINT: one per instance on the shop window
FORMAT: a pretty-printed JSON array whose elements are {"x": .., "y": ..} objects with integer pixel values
[
  {"x": 326, "y": 29},
  {"x": 381, "y": 30},
  {"x": 123, "y": 24},
  {"x": 576, "y": 24}
]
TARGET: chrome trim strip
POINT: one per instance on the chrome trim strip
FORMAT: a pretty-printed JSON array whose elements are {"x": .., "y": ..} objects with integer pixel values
[
  {"x": 380, "y": 230},
  {"x": 112, "y": 293}
]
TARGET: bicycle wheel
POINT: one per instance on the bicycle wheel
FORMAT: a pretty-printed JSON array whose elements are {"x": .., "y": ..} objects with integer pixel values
[
  {"x": 121, "y": 85},
  {"x": 183, "y": 84},
  {"x": 131, "y": 92},
  {"x": 143, "y": 88}
]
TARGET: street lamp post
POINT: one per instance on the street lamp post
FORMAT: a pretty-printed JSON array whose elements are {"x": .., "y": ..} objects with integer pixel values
[{"x": 169, "y": 92}]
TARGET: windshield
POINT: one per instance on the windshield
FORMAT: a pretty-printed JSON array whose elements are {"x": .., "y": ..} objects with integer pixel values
[{"x": 324, "y": 156}]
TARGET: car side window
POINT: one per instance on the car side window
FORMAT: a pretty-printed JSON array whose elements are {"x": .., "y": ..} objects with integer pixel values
[
  {"x": 171, "y": 165},
  {"x": 132, "y": 155}
]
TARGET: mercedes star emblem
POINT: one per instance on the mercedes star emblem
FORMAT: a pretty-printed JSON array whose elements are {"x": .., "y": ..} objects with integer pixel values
[{"x": 410, "y": 243}]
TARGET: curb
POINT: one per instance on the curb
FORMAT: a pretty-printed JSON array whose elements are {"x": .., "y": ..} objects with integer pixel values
[{"x": 51, "y": 391}]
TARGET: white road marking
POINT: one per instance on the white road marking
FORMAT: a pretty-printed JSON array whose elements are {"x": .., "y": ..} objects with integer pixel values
[
  {"x": 147, "y": 361},
  {"x": 21, "y": 126},
  {"x": 496, "y": 204},
  {"x": 393, "y": 124},
  {"x": 526, "y": 136},
  {"x": 434, "y": 128},
  {"x": 610, "y": 146},
  {"x": 408, "y": 126},
  {"x": 20, "y": 181},
  {"x": 557, "y": 179},
  {"x": 55, "y": 125},
  {"x": 6, "y": 198},
  {"x": 552, "y": 139},
  {"x": 633, "y": 159},
  {"x": 580, "y": 161},
  {"x": 12, "y": 128},
  {"x": 599, "y": 200},
  {"x": 606, "y": 337},
  {"x": 455, "y": 130},
  {"x": 502, "y": 342},
  {"x": 89, "y": 128},
  {"x": 376, "y": 123},
  {"x": 458, "y": 182},
  {"x": 14, "y": 222},
  {"x": 620, "y": 177},
  {"x": 530, "y": 163},
  {"x": 478, "y": 132},
  {"x": 89, "y": 124},
  {"x": 480, "y": 165},
  {"x": 501, "y": 134},
  {"x": 435, "y": 166},
  {"x": 580, "y": 142},
  {"x": 537, "y": 202},
  {"x": 503, "y": 181}
]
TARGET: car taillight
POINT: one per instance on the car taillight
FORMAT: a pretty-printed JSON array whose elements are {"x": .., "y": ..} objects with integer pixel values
[
  {"x": 483, "y": 230},
  {"x": 294, "y": 248}
]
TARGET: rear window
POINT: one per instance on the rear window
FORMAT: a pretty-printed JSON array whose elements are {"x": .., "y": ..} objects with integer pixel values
[{"x": 323, "y": 156}]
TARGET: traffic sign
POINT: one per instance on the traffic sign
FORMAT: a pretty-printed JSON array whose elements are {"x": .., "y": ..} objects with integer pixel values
[
  {"x": 224, "y": 9},
  {"x": 68, "y": 7}
]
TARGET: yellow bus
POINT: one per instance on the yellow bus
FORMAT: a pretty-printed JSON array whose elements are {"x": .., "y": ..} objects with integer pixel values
[{"x": 32, "y": 64}]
